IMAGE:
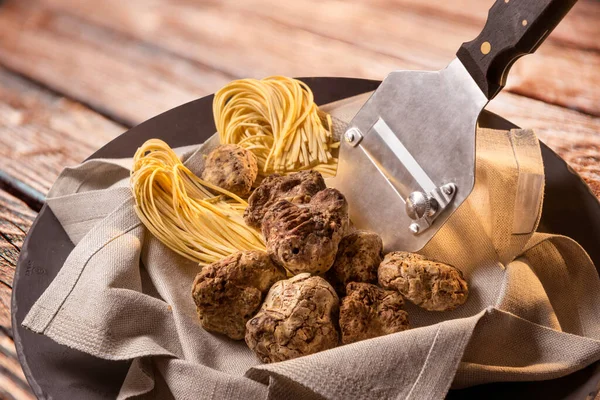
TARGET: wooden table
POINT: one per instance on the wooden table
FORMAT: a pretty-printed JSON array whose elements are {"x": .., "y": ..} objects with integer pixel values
[{"x": 75, "y": 74}]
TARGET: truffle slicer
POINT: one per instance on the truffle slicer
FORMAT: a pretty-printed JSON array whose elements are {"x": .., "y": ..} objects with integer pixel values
[{"x": 407, "y": 159}]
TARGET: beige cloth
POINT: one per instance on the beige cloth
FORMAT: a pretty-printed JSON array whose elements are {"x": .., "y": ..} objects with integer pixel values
[{"x": 533, "y": 312}]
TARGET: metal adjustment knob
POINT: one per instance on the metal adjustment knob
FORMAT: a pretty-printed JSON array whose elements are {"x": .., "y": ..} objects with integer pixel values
[{"x": 419, "y": 205}]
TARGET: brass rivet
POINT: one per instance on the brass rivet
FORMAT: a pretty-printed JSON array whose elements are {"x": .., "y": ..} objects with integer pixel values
[
  {"x": 486, "y": 47},
  {"x": 524, "y": 22}
]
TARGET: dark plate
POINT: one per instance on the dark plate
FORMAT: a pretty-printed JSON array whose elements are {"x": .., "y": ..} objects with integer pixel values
[{"x": 58, "y": 372}]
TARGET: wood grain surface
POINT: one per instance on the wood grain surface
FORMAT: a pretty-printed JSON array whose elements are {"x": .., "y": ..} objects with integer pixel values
[
  {"x": 43, "y": 132},
  {"x": 75, "y": 74},
  {"x": 414, "y": 43},
  {"x": 15, "y": 219}
]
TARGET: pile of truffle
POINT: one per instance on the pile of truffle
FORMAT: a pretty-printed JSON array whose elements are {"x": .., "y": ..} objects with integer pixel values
[{"x": 309, "y": 242}]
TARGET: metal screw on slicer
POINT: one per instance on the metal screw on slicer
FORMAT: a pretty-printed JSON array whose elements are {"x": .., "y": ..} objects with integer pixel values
[
  {"x": 353, "y": 136},
  {"x": 414, "y": 228},
  {"x": 349, "y": 137},
  {"x": 448, "y": 189}
]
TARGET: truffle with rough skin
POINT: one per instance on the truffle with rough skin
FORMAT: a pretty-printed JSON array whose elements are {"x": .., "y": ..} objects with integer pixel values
[
  {"x": 297, "y": 188},
  {"x": 369, "y": 311},
  {"x": 229, "y": 292},
  {"x": 296, "y": 319},
  {"x": 431, "y": 285},
  {"x": 358, "y": 257},
  {"x": 305, "y": 238},
  {"x": 232, "y": 168}
]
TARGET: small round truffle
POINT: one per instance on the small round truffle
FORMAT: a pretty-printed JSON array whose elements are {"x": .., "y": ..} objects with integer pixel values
[
  {"x": 369, "y": 311},
  {"x": 358, "y": 257},
  {"x": 431, "y": 285},
  {"x": 232, "y": 168},
  {"x": 296, "y": 319},
  {"x": 305, "y": 238},
  {"x": 229, "y": 292},
  {"x": 297, "y": 188}
]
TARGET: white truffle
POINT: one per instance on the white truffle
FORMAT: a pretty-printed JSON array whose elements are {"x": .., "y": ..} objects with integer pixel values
[
  {"x": 297, "y": 318},
  {"x": 229, "y": 292},
  {"x": 305, "y": 238},
  {"x": 431, "y": 285}
]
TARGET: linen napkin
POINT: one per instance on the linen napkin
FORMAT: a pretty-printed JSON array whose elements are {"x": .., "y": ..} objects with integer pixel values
[{"x": 533, "y": 311}]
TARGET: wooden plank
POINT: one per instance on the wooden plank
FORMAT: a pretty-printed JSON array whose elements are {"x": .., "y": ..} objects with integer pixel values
[
  {"x": 42, "y": 132},
  {"x": 5, "y": 295},
  {"x": 240, "y": 43},
  {"x": 13, "y": 384},
  {"x": 211, "y": 33},
  {"x": 208, "y": 31},
  {"x": 15, "y": 220},
  {"x": 572, "y": 135},
  {"x": 131, "y": 81},
  {"x": 580, "y": 28},
  {"x": 558, "y": 75},
  {"x": 115, "y": 75}
]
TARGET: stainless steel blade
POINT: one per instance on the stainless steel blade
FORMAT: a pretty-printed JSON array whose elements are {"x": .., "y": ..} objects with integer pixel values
[{"x": 416, "y": 133}]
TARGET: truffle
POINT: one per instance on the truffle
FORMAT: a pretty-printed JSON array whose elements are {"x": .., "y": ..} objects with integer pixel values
[
  {"x": 369, "y": 311},
  {"x": 229, "y": 292},
  {"x": 297, "y": 188},
  {"x": 431, "y": 285},
  {"x": 232, "y": 168},
  {"x": 305, "y": 238},
  {"x": 296, "y": 319},
  {"x": 358, "y": 256}
]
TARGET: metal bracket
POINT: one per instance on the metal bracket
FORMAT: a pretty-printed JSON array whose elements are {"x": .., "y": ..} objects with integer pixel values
[
  {"x": 353, "y": 137},
  {"x": 424, "y": 208}
]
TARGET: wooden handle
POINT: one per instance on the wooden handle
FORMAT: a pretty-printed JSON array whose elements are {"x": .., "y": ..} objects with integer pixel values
[{"x": 513, "y": 28}]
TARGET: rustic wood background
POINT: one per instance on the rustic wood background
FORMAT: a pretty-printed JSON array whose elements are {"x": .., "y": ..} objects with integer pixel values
[{"x": 75, "y": 74}]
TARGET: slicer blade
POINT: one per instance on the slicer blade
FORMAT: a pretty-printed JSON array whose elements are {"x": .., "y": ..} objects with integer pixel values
[{"x": 407, "y": 160}]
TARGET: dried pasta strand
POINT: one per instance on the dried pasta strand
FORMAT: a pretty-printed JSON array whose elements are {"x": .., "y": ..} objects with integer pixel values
[
  {"x": 181, "y": 211},
  {"x": 277, "y": 120}
]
